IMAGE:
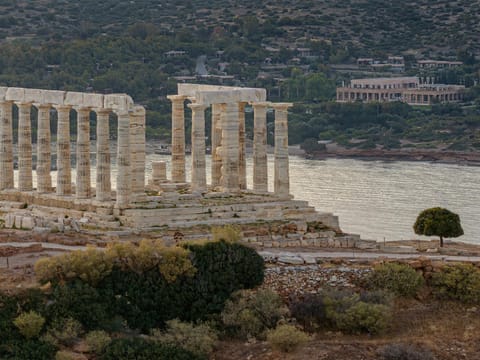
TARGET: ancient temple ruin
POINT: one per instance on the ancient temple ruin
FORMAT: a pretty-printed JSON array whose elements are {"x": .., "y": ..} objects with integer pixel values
[
  {"x": 228, "y": 170},
  {"x": 75, "y": 201}
]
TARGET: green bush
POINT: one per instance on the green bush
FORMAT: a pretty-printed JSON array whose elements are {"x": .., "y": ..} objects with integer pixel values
[
  {"x": 400, "y": 279},
  {"x": 29, "y": 324},
  {"x": 64, "y": 332},
  {"x": 457, "y": 282},
  {"x": 343, "y": 310},
  {"x": 27, "y": 349},
  {"x": 310, "y": 311},
  {"x": 249, "y": 314},
  {"x": 286, "y": 338},
  {"x": 363, "y": 317},
  {"x": 140, "y": 349},
  {"x": 198, "y": 339},
  {"x": 404, "y": 352},
  {"x": 97, "y": 341}
]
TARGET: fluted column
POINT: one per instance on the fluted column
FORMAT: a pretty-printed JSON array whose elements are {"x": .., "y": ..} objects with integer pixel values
[
  {"x": 178, "y": 138},
  {"x": 44, "y": 160},
  {"x": 230, "y": 145},
  {"x": 103, "y": 181},
  {"x": 6, "y": 146},
  {"x": 83, "y": 154},
  {"x": 282, "y": 177},
  {"x": 24, "y": 147},
  {"x": 137, "y": 152},
  {"x": 217, "y": 110},
  {"x": 64, "y": 168},
  {"x": 123, "y": 160},
  {"x": 260, "y": 164},
  {"x": 199, "y": 176},
  {"x": 242, "y": 158}
]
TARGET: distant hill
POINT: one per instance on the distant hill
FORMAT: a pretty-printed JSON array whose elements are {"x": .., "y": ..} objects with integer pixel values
[{"x": 431, "y": 27}]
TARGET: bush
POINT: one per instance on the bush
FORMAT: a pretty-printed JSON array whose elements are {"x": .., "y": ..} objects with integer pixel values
[
  {"x": 457, "y": 282},
  {"x": 228, "y": 233},
  {"x": 249, "y": 314},
  {"x": 400, "y": 279},
  {"x": 65, "y": 355},
  {"x": 198, "y": 339},
  {"x": 286, "y": 338},
  {"x": 97, "y": 341},
  {"x": 27, "y": 349},
  {"x": 344, "y": 310},
  {"x": 310, "y": 311},
  {"x": 140, "y": 349},
  {"x": 405, "y": 352},
  {"x": 29, "y": 324},
  {"x": 64, "y": 332},
  {"x": 363, "y": 317}
]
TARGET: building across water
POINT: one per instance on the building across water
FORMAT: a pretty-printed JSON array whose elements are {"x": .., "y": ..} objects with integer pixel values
[{"x": 404, "y": 89}]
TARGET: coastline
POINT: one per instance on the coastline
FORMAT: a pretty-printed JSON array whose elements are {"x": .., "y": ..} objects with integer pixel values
[{"x": 445, "y": 157}]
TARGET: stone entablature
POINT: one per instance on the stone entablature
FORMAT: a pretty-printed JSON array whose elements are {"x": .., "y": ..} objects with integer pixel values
[
  {"x": 130, "y": 149},
  {"x": 228, "y": 138}
]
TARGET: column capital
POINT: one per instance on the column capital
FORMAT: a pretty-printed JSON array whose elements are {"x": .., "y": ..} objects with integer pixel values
[
  {"x": 82, "y": 109},
  {"x": 197, "y": 107},
  {"x": 63, "y": 107},
  {"x": 174, "y": 98},
  {"x": 43, "y": 106},
  {"x": 23, "y": 103},
  {"x": 281, "y": 106},
  {"x": 102, "y": 111}
]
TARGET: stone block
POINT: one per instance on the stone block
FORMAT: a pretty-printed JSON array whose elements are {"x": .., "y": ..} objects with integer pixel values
[
  {"x": 267, "y": 244},
  {"x": 15, "y": 94},
  {"x": 366, "y": 244},
  {"x": 28, "y": 223},
  {"x": 74, "y": 98},
  {"x": 293, "y": 243},
  {"x": 18, "y": 222},
  {"x": 9, "y": 221},
  {"x": 275, "y": 244},
  {"x": 118, "y": 102},
  {"x": 292, "y": 260},
  {"x": 93, "y": 100},
  {"x": 33, "y": 95},
  {"x": 54, "y": 97},
  {"x": 3, "y": 92}
]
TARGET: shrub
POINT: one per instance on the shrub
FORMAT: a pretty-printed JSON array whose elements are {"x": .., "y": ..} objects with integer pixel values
[
  {"x": 97, "y": 341},
  {"x": 27, "y": 349},
  {"x": 404, "y": 352},
  {"x": 310, "y": 311},
  {"x": 228, "y": 233},
  {"x": 65, "y": 355},
  {"x": 251, "y": 313},
  {"x": 363, "y": 317},
  {"x": 400, "y": 279},
  {"x": 457, "y": 282},
  {"x": 286, "y": 338},
  {"x": 198, "y": 339},
  {"x": 30, "y": 324},
  {"x": 140, "y": 349},
  {"x": 64, "y": 332}
]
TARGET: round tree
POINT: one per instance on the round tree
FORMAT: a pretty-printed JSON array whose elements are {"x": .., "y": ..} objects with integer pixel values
[{"x": 439, "y": 222}]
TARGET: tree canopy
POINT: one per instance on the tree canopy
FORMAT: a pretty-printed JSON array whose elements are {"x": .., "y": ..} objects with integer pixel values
[{"x": 439, "y": 222}]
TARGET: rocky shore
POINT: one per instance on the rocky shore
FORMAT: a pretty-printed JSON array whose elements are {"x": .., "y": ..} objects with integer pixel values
[{"x": 433, "y": 155}]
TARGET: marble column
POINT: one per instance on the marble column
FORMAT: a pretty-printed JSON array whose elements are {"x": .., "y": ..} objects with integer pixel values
[
  {"x": 178, "y": 138},
  {"x": 6, "y": 146},
  {"x": 83, "y": 189},
  {"x": 260, "y": 163},
  {"x": 64, "y": 168},
  {"x": 199, "y": 176},
  {"x": 217, "y": 110},
  {"x": 123, "y": 160},
  {"x": 230, "y": 145},
  {"x": 137, "y": 153},
  {"x": 44, "y": 160},
  {"x": 282, "y": 177},
  {"x": 242, "y": 149},
  {"x": 103, "y": 187},
  {"x": 24, "y": 147}
]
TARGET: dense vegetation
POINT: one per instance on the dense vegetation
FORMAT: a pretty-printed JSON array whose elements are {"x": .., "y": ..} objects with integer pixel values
[{"x": 92, "y": 46}]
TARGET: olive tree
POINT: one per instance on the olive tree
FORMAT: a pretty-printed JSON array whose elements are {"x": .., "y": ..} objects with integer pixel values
[{"x": 438, "y": 221}]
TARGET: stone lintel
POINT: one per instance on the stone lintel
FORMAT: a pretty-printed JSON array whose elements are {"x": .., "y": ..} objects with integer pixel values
[
  {"x": 212, "y": 94},
  {"x": 118, "y": 102}
]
